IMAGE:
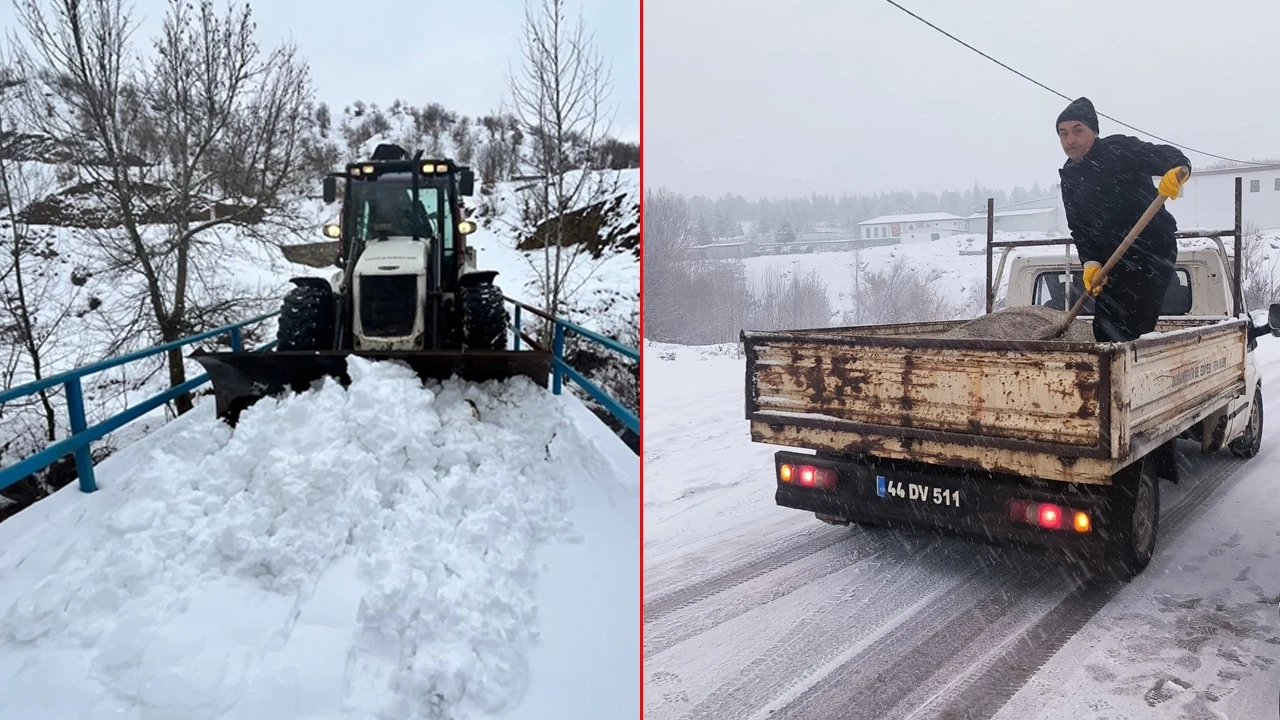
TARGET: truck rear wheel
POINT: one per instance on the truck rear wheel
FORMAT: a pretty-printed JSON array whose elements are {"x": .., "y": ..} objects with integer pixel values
[
  {"x": 1133, "y": 519},
  {"x": 484, "y": 317},
  {"x": 1248, "y": 444},
  {"x": 306, "y": 319}
]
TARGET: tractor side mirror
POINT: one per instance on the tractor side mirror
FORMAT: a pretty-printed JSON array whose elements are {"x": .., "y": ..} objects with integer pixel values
[
  {"x": 330, "y": 189},
  {"x": 1273, "y": 319},
  {"x": 466, "y": 183}
]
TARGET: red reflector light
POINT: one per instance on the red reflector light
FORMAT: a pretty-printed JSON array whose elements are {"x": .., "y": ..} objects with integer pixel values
[
  {"x": 1050, "y": 516},
  {"x": 806, "y": 475}
]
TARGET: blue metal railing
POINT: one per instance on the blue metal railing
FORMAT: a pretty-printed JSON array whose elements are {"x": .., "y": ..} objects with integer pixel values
[
  {"x": 81, "y": 434},
  {"x": 561, "y": 369}
]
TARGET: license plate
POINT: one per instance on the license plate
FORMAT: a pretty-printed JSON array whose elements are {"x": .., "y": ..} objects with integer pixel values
[{"x": 917, "y": 492}]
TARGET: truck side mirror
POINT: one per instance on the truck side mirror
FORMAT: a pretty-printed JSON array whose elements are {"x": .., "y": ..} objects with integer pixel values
[
  {"x": 466, "y": 183},
  {"x": 330, "y": 189},
  {"x": 1273, "y": 319}
]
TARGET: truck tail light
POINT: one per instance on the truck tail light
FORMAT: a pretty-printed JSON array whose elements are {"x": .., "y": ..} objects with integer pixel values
[
  {"x": 1049, "y": 516},
  {"x": 807, "y": 476}
]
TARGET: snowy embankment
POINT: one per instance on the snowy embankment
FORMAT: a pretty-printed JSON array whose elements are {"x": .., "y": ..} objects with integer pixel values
[{"x": 385, "y": 550}]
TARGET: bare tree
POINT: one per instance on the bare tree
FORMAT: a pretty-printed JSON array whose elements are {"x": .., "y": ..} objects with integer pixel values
[
  {"x": 559, "y": 99},
  {"x": 208, "y": 135},
  {"x": 900, "y": 294},
  {"x": 1259, "y": 273}
]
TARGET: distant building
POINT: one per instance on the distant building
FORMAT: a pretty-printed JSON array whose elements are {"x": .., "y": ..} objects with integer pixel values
[
  {"x": 893, "y": 226},
  {"x": 1044, "y": 214},
  {"x": 1208, "y": 199},
  {"x": 723, "y": 251}
]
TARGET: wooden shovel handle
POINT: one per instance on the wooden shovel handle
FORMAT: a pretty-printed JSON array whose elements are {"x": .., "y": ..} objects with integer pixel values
[{"x": 1129, "y": 239}]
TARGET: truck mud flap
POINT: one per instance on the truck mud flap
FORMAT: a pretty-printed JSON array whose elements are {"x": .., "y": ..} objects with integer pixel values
[{"x": 241, "y": 379}]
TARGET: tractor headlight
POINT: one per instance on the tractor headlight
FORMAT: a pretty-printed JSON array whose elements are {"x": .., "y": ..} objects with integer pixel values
[
  {"x": 466, "y": 227},
  {"x": 332, "y": 230}
]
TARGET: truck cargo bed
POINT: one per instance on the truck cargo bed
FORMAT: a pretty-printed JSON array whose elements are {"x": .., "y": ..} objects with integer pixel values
[{"x": 1075, "y": 412}]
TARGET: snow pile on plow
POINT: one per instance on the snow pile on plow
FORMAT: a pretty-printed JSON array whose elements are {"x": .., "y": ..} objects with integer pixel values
[{"x": 368, "y": 551}]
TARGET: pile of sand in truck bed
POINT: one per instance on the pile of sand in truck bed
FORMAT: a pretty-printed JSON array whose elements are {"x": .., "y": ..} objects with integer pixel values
[{"x": 1021, "y": 323}]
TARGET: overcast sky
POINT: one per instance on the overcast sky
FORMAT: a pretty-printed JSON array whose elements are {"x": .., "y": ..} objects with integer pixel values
[
  {"x": 455, "y": 53},
  {"x": 784, "y": 98}
]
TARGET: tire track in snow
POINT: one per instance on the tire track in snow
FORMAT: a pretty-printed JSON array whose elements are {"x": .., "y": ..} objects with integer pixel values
[
  {"x": 836, "y": 627},
  {"x": 859, "y": 546},
  {"x": 805, "y": 544}
]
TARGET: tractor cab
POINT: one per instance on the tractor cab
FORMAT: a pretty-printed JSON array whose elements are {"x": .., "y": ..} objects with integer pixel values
[{"x": 393, "y": 196}]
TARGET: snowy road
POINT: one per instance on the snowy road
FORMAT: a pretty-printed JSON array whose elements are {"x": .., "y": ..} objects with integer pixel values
[
  {"x": 387, "y": 550},
  {"x": 756, "y": 611}
]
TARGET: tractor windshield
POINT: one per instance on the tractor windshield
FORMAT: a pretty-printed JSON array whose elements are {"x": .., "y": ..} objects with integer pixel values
[{"x": 386, "y": 207}]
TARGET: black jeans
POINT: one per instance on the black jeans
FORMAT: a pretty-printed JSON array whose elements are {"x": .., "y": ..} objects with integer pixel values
[{"x": 1130, "y": 303}]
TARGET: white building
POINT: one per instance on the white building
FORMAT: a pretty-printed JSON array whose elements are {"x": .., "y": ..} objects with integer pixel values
[
  {"x": 1046, "y": 214},
  {"x": 894, "y": 226},
  {"x": 921, "y": 234},
  {"x": 1208, "y": 199}
]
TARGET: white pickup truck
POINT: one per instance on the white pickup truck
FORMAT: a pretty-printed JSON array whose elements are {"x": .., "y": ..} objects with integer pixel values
[{"x": 1050, "y": 443}]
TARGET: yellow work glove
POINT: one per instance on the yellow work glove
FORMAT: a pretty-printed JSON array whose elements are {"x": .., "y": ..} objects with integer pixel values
[
  {"x": 1091, "y": 270},
  {"x": 1171, "y": 184}
]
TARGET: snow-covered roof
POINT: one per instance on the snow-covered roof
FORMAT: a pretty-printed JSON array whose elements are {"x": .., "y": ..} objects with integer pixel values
[{"x": 917, "y": 217}]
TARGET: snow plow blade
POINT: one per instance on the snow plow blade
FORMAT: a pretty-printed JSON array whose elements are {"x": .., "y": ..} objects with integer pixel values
[{"x": 241, "y": 379}]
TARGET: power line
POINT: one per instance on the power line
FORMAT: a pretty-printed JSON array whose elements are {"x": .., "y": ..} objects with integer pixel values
[{"x": 1067, "y": 98}]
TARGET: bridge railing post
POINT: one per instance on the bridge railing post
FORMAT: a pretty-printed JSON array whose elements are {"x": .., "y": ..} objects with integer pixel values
[{"x": 84, "y": 459}]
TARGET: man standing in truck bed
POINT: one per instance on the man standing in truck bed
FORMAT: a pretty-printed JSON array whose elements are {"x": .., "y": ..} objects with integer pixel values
[{"x": 1106, "y": 186}]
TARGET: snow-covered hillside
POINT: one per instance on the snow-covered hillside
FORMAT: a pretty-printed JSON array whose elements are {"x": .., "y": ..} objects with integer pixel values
[{"x": 378, "y": 551}]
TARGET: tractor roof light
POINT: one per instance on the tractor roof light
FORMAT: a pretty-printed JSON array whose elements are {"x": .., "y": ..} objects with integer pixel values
[
  {"x": 355, "y": 172},
  {"x": 368, "y": 169}
]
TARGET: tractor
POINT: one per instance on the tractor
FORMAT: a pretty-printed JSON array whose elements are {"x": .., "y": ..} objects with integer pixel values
[{"x": 407, "y": 289}]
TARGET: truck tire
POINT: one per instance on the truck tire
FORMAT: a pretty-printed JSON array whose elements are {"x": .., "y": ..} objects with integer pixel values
[
  {"x": 306, "y": 319},
  {"x": 1248, "y": 444},
  {"x": 1133, "y": 520},
  {"x": 484, "y": 317}
]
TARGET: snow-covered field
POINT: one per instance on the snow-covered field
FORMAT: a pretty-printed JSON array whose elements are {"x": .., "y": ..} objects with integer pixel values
[
  {"x": 378, "y": 551},
  {"x": 753, "y": 610},
  {"x": 958, "y": 264}
]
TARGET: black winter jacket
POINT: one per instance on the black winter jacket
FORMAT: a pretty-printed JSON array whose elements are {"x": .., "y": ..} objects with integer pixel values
[{"x": 1108, "y": 190}]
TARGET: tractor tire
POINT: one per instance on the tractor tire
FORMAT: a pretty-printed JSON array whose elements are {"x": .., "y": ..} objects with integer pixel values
[
  {"x": 1248, "y": 445},
  {"x": 484, "y": 318},
  {"x": 306, "y": 319}
]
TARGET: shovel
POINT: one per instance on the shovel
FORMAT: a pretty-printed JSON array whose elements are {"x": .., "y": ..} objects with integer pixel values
[{"x": 1064, "y": 324}]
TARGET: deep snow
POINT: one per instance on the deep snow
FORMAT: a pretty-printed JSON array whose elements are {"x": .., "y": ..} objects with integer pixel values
[{"x": 385, "y": 550}]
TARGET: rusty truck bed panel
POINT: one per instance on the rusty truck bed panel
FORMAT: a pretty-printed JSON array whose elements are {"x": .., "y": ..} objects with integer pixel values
[
  {"x": 1053, "y": 410},
  {"x": 1045, "y": 397}
]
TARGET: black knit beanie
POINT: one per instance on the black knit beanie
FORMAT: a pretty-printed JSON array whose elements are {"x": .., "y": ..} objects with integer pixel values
[{"x": 1080, "y": 109}]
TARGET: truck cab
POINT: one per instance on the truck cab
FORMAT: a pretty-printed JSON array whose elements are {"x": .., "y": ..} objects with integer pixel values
[{"x": 1200, "y": 294}]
